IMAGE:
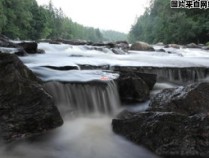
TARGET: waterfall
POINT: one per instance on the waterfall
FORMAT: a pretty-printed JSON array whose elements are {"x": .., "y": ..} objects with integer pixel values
[
  {"x": 170, "y": 74},
  {"x": 84, "y": 98}
]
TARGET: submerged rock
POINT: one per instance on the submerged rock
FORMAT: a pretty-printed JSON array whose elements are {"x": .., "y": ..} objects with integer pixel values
[
  {"x": 188, "y": 100},
  {"x": 118, "y": 51},
  {"x": 141, "y": 46},
  {"x": 25, "y": 108},
  {"x": 167, "y": 134}
]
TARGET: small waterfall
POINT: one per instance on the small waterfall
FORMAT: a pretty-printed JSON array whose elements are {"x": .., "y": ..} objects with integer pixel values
[
  {"x": 84, "y": 98},
  {"x": 170, "y": 74}
]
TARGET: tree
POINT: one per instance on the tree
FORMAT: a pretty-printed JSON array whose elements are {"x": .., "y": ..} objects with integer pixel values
[{"x": 160, "y": 23}]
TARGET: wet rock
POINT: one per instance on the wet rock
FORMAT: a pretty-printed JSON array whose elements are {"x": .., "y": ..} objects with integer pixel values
[
  {"x": 25, "y": 108},
  {"x": 118, "y": 51},
  {"x": 41, "y": 51},
  {"x": 188, "y": 100},
  {"x": 92, "y": 67},
  {"x": 173, "y": 46},
  {"x": 149, "y": 78},
  {"x": 134, "y": 86},
  {"x": 205, "y": 48},
  {"x": 5, "y": 42},
  {"x": 105, "y": 44},
  {"x": 192, "y": 45},
  {"x": 21, "y": 52},
  {"x": 176, "y": 75},
  {"x": 160, "y": 50},
  {"x": 141, "y": 46},
  {"x": 167, "y": 134},
  {"x": 124, "y": 45},
  {"x": 132, "y": 89},
  {"x": 54, "y": 42},
  {"x": 29, "y": 47},
  {"x": 62, "y": 68}
]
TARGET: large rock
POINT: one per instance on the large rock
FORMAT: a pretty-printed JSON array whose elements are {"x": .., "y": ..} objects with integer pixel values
[
  {"x": 22, "y": 48},
  {"x": 132, "y": 89},
  {"x": 5, "y": 42},
  {"x": 134, "y": 86},
  {"x": 29, "y": 47},
  {"x": 122, "y": 44},
  {"x": 141, "y": 46},
  {"x": 25, "y": 108},
  {"x": 149, "y": 78},
  {"x": 167, "y": 134},
  {"x": 187, "y": 100}
]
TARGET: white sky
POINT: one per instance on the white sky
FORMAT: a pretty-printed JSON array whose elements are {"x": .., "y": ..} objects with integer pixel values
[{"x": 118, "y": 15}]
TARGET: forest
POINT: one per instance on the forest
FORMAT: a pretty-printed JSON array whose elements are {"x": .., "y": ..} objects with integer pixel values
[
  {"x": 25, "y": 19},
  {"x": 161, "y": 23}
]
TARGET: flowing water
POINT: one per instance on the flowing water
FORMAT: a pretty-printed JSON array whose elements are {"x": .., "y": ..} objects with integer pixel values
[
  {"x": 88, "y": 99},
  {"x": 87, "y": 133}
]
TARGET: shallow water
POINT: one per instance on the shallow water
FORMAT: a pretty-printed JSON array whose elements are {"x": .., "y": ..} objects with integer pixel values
[{"x": 83, "y": 137}]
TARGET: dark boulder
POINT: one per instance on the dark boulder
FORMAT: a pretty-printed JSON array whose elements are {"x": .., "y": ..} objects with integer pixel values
[
  {"x": 149, "y": 78},
  {"x": 29, "y": 47},
  {"x": 122, "y": 45},
  {"x": 25, "y": 108},
  {"x": 134, "y": 86},
  {"x": 132, "y": 89},
  {"x": 167, "y": 134},
  {"x": 5, "y": 42},
  {"x": 21, "y": 52},
  {"x": 141, "y": 46},
  {"x": 105, "y": 44},
  {"x": 160, "y": 50},
  {"x": 62, "y": 68},
  {"x": 187, "y": 100}
]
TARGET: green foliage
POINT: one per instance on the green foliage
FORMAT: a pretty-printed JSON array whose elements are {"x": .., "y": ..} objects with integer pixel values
[
  {"x": 24, "y": 19},
  {"x": 160, "y": 23},
  {"x": 112, "y": 36}
]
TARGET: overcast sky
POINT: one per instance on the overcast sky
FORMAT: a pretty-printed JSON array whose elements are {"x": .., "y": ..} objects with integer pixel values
[{"x": 118, "y": 15}]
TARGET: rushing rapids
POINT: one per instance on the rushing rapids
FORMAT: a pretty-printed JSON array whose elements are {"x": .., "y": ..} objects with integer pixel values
[{"x": 88, "y": 98}]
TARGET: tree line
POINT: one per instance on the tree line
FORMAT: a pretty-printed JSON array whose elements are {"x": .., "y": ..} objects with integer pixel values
[
  {"x": 161, "y": 23},
  {"x": 25, "y": 19}
]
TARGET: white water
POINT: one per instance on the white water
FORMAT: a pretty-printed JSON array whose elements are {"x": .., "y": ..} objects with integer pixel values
[
  {"x": 90, "y": 135},
  {"x": 84, "y": 98},
  {"x": 67, "y": 55},
  {"x": 86, "y": 137},
  {"x": 78, "y": 55}
]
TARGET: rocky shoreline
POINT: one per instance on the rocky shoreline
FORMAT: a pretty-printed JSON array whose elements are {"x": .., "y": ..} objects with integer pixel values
[{"x": 175, "y": 124}]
